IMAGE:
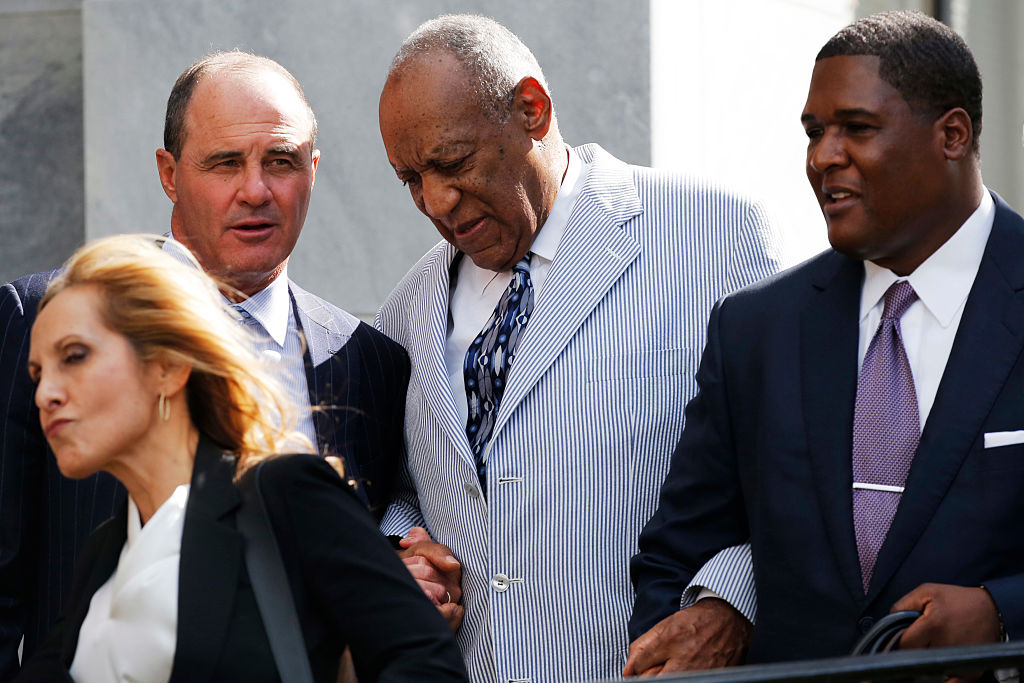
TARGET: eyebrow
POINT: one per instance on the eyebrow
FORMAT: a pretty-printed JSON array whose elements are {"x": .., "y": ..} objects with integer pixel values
[
  {"x": 221, "y": 156},
  {"x": 843, "y": 114}
]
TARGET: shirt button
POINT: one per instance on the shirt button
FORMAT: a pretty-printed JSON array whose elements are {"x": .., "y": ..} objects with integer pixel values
[
  {"x": 865, "y": 624},
  {"x": 499, "y": 583},
  {"x": 472, "y": 489}
]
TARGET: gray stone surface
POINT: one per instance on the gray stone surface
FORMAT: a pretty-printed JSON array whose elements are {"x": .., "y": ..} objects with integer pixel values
[
  {"x": 362, "y": 232},
  {"x": 41, "y": 189}
]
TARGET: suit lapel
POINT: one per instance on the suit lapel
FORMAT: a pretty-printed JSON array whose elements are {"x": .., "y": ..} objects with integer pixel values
[
  {"x": 988, "y": 343},
  {"x": 829, "y": 329},
  {"x": 211, "y": 560},
  {"x": 593, "y": 254},
  {"x": 427, "y": 347},
  {"x": 325, "y": 335}
]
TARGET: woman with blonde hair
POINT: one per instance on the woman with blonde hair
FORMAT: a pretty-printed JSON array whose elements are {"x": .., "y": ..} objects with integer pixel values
[{"x": 142, "y": 372}]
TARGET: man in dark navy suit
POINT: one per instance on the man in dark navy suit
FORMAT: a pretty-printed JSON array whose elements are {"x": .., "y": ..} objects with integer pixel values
[
  {"x": 238, "y": 163},
  {"x": 860, "y": 416}
]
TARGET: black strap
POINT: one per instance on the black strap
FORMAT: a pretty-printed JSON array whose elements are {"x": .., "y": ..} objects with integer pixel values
[
  {"x": 270, "y": 584},
  {"x": 885, "y": 634}
]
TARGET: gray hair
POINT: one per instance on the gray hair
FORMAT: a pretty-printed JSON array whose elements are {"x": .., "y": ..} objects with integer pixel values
[{"x": 494, "y": 57}]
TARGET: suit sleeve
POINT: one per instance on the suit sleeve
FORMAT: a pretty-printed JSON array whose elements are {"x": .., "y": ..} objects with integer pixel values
[
  {"x": 756, "y": 252},
  {"x": 354, "y": 579},
  {"x": 22, "y": 454},
  {"x": 701, "y": 509}
]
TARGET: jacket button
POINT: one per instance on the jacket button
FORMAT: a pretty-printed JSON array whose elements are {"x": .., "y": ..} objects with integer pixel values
[
  {"x": 499, "y": 583},
  {"x": 472, "y": 489},
  {"x": 865, "y": 624}
]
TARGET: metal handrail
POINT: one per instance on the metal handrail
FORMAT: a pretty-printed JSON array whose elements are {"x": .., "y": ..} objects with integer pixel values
[{"x": 901, "y": 664}]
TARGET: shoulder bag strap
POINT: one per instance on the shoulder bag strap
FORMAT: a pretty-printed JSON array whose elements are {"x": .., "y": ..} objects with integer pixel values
[{"x": 270, "y": 584}]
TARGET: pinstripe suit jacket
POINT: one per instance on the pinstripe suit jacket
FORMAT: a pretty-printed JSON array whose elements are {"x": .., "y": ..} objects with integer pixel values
[
  {"x": 357, "y": 374},
  {"x": 591, "y": 413}
]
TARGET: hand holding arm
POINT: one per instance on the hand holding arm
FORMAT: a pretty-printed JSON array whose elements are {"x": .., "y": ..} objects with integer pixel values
[
  {"x": 437, "y": 572},
  {"x": 708, "y": 635}
]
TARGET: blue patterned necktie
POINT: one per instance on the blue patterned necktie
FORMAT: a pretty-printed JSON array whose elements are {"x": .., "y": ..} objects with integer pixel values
[
  {"x": 886, "y": 430},
  {"x": 485, "y": 369}
]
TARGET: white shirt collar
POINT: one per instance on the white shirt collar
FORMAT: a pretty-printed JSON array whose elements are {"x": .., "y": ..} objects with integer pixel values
[
  {"x": 945, "y": 278},
  {"x": 271, "y": 306},
  {"x": 545, "y": 244}
]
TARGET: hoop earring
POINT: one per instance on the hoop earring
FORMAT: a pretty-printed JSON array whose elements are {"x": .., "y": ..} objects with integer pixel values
[{"x": 164, "y": 407}]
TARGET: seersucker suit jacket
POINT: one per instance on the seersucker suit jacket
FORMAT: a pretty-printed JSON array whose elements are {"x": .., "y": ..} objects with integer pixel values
[
  {"x": 354, "y": 372},
  {"x": 348, "y": 584},
  {"x": 591, "y": 412},
  {"x": 767, "y": 451}
]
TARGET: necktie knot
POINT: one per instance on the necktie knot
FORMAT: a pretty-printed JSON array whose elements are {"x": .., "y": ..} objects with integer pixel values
[
  {"x": 898, "y": 298},
  {"x": 523, "y": 265},
  {"x": 246, "y": 315}
]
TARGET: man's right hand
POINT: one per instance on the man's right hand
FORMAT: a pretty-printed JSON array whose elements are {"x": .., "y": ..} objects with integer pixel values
[
  {"x": 437, "y": 572},
  {"x": 708, "y": 635}
]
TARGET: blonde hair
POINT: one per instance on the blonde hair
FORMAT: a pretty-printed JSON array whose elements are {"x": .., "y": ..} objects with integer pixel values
[{"x": 170, "y": 310}]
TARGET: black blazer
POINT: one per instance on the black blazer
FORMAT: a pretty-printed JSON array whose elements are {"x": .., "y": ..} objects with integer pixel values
[
  {"x": 354, "y": 372},
  {"x": 349, "y": 585},
  {"x": 766, "y": 454}
]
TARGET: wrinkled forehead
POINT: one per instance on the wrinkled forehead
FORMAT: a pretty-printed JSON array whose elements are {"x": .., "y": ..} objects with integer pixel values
[{"x": 239, "y": 95}]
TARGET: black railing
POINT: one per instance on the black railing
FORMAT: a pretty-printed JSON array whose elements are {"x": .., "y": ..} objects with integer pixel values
[{"x": 919, "y": 665}]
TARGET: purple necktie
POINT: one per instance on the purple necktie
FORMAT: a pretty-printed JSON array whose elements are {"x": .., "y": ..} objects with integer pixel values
[{"x": 886, "y": 429}]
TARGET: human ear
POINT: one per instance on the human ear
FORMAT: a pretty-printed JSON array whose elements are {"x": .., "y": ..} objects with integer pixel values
[
  {"x": 171, "y": 375},
  {"x": 165, "y": 165},
  {"x": 532, "y": 106},
  {"x": 956, "y": 133}
]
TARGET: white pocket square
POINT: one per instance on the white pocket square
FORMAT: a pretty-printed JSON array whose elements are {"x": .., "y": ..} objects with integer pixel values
[{"x": 997, "y": 439}]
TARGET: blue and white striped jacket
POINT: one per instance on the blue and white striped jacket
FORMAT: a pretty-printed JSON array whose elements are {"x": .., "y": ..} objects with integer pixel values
[{"x": 591, "y": 414}]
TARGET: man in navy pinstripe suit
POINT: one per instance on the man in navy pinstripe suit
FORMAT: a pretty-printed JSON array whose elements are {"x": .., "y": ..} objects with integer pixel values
[
  {"x": 625, "y": 263},
  {"x": 238, "y": 164}
]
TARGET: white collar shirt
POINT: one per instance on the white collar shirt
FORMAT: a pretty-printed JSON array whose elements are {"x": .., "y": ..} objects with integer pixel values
[
  {"x": 130, "y": 630},
  {"x": 930, "y": 324}
]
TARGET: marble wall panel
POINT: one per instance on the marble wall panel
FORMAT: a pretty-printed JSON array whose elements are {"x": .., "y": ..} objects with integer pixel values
[
  {"x": 41, "y": 188},
  {"x": 362, "y": 232}
]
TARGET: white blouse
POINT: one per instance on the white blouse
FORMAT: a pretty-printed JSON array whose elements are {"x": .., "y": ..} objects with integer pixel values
[{"x": 130, "y": 631}]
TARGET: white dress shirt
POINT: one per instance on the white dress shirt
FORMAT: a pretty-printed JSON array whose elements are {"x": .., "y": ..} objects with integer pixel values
[
  {"x": 942, "y": 284},
  {"x": 476, "y": 291},
  {"x": 130, "y": 631}
]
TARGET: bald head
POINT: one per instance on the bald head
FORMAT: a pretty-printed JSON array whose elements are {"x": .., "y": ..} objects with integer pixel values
[{"x": 233, "y": 61}]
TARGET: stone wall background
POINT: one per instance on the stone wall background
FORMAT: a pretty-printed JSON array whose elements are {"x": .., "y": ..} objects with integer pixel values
[
  {"x": 362, "y": 232},
  {"x": 41, "y": 141},
  {"x": 83, "y": 86}
]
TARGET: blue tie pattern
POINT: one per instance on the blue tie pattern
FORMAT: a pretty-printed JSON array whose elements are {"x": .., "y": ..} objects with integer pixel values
[{"x": 489, "y": 358}]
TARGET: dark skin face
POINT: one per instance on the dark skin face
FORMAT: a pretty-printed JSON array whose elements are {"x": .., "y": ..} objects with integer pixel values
[
  {"x": 893, "y": 183},
  {"x": 486, "y": 187}
]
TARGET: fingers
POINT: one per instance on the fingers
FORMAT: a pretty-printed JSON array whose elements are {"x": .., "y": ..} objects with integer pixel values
[
  {"x": 950, "y": 615},
  {"x": 440, "y": 587},
  {"x": 453, "y": 614},
  {"x": 416, "y": 535},
  {"x": 708, "y": 635}
]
